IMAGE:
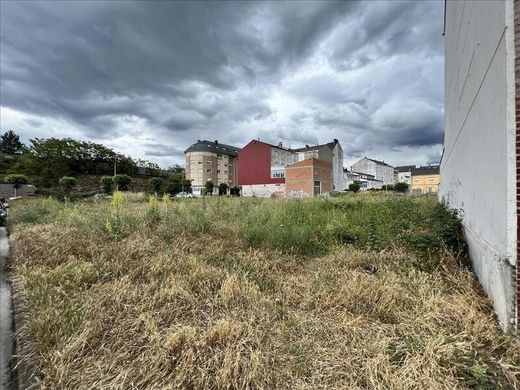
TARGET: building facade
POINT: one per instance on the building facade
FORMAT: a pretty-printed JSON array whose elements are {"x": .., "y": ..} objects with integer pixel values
[
  {"x": 261, "y": 169},
  {"x": 480, "y": 166},
  {"x": 332, "y": 153},
  {"x": 262, "y": 166},
  {"x": 379, "y": 169},
  {"x": 403, "y": 174},
  {"x": 425, "y": 180},
  {"x": 308, "y": 177},
  {"x": 211, "y": 161}
]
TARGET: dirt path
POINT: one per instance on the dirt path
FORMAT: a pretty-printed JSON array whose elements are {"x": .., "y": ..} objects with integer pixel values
[{"x": 6, "y": 319}]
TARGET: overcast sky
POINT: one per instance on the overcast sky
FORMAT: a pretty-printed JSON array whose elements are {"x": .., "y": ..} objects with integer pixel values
[{"x": 150, "y": 78}]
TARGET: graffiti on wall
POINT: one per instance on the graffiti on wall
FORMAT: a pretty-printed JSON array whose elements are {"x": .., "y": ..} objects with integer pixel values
[{"x": 298, "y": 194}]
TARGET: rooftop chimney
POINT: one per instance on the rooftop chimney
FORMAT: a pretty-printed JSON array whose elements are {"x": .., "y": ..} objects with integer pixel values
[
  {"x": 280, "y": 144},
  {"x": 306, "y": 145},
  {"x": 216, "y": 141}
]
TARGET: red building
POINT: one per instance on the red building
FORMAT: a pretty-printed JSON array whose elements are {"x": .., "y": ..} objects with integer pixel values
[{"x": 261, "y": 168}]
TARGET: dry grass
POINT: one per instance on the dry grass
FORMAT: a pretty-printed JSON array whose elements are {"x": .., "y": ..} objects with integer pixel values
[{"x": 134, "y": 295}]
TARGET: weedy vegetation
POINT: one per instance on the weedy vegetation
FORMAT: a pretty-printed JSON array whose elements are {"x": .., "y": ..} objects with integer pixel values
[{"x": 360, "y": 292}]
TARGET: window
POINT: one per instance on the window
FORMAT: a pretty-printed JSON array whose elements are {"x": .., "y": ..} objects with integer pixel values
[
  {"x": 218, "y": 170},
  {"x": 200, "y": 162},
  {"x": 317, "y": 187},
  {"x": 208, "y": 170}
]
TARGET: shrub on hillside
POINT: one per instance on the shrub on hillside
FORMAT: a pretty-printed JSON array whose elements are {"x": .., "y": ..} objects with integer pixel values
[
  {"x": 156, "y": 183},
  {"x": 122, "y": 182},
  {"x": 106, "y": 184},
  {"x": 67, "y": 183}
]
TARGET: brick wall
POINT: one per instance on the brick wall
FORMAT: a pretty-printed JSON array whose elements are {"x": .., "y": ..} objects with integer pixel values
[{"x": 517, "y": 115}]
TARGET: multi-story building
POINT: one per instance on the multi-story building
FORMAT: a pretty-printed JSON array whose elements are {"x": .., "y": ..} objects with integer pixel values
[
  {"x": 262, "y": 166},
  {"x": 308, "y": 177},
  {"x": 332, "y": 152},
  {"x": 261, "y": 170},
  {"x": 480, "y": 165},
  {"x": 403, "y": 174},
  {"x": 425, "y": 180},
  {"x": 379, "y": 169},
  {"x": 211, "y": 161},
  {"x": 364, "y": 180}
]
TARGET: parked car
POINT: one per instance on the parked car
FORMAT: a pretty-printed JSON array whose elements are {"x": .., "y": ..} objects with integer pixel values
[{"x": 184, "y": 195}]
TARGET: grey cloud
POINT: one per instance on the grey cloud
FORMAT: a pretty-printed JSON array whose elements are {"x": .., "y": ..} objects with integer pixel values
[
  {"x": 181, "y": 71},
  {"x": 160, "y": 150}
]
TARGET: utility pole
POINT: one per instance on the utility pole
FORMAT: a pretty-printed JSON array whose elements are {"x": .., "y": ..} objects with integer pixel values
[{"x": 115, "y": 164}]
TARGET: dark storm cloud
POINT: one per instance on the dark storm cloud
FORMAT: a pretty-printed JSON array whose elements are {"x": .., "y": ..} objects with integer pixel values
[{"x": 368, "y": 73}]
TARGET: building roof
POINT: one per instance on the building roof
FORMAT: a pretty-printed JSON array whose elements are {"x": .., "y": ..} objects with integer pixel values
[
  {"x": 330, "y": 145},
  {"x": 378, "y": 162},
  {"x": 404, "y": 168},
  {"x": 214, "y": 147},
  {"x": 426, "y": 170}
]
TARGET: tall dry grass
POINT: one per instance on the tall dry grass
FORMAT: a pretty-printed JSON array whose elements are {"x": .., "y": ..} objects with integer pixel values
[{"x": 225, "y": 293}]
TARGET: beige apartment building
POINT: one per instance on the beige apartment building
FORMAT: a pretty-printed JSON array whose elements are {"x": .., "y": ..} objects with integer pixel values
[{"x": 211, "y": 161}]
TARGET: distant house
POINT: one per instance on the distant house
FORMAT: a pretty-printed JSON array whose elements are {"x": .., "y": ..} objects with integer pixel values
[
  {"x": 364, "y": 180},
  {"x": 262, "y": 166},
  {"x": 379, "y": 169},
  {"x": 403, "y": 174},
  {"x": 480, "y": 165},
  {"x": 425, "y": 179},
  {"x": 330, "y": 152},
  {"x": 308, "y": 177},
  {"x": 211, "y": 161}
]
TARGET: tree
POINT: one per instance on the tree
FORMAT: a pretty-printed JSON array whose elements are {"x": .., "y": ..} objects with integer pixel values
[
  {"x": 67, "y": 182},
  {"x": 401, "y": 187},
  {"x": 10, "y": 143},
  {"x": 122, "y": 182},
  {"x": 16, "y": 180},
  {"x": 156, "y": 183},
  {"x": 222, "y": 188},
  {"x": 209, "y": 187},
  {"x": 387, "y": 187},
  {"x": 354, "y": 187},
  {"x": 176, "y": 169},
  {"x": 106, "y": 184}
]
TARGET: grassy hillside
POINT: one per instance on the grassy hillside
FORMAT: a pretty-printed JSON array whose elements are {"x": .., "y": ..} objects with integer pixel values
[{"x": 365, "y": 291}]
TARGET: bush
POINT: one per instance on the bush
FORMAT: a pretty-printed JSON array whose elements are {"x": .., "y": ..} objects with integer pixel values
[
  {"x": 67, "y": 183},
  {"x": 122, "y": 182},
  {"x": 16, "y": 180},
  {"x": 387, "y": 187},
  {"x": 156, "y": 183},
  {"x": 106, "y": 184},
  {"x": 401, "y": 187},
  {"x": 222, "y": 188},
  {"x": 354, "y": 187},
  {"x": 209, "y": 188}
]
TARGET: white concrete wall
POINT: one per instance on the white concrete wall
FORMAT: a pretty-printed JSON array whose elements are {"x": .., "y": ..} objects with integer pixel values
[
  {"x": 475, "y": 169},
  {"x": 263, "y": 190},
  {"x": 404, "y": 177},
  {"x": 337, "y": 168}
]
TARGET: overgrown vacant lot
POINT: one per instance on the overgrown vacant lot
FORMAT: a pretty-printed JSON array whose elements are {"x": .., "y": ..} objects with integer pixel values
[{"x": 357, "y": 292}]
